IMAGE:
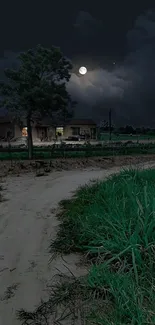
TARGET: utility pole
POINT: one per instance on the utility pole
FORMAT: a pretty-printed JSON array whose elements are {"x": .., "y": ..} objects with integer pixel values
[{"x": 110, "y": 124}]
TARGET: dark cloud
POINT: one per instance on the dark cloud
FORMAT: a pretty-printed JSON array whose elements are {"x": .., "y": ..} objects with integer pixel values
[
  {"x": 87, "y": 25},
  {"x": 141, "y": 61},
  {"x": 127, "y": 87}
]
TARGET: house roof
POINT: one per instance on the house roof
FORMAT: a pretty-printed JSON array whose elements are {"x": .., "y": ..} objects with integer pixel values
[
  {"x": 81, "y": 122},
  {"x": 44, "y": 122},
  {"x": 47, "y": 122}
]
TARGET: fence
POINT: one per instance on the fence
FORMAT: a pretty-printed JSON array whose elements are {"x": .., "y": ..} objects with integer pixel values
[{"x": 10, "y": 153}]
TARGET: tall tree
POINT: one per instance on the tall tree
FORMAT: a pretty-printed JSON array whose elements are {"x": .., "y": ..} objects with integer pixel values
[{"x": 38, "y": 87}]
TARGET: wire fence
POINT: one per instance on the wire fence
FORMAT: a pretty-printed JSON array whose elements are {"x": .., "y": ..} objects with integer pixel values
[{"x": 74, "y": 151}]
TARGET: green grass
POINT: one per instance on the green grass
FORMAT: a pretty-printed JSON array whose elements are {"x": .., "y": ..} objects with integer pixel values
[
  {"x": 97, "y": 208},
  {"x": 112, "y": 224},
  {"x": 89, "y": 152},
  {"x": 114, "y": 137}
]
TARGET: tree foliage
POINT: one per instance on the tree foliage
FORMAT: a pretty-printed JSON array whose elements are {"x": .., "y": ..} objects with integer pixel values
[{"x": 38, "y": 87}]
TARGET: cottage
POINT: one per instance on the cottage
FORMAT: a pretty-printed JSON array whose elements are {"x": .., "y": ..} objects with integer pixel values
[
  {"x": 44, "y": 130},
  {"x": 85, "y": 128}
]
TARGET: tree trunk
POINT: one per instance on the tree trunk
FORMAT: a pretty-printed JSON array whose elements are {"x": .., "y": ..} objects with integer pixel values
[
  {"x": 110, "y": 124},
  {"x": 30, "y": 140}
]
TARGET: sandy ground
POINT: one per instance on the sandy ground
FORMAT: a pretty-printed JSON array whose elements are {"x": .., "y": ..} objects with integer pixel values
[{"x": 27, "y": 223}]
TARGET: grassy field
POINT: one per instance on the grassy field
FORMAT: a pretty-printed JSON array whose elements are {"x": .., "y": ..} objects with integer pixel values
[
  {"x": 41, "y": 153},
  {"x": 121, "y": 137},
  {"x": 112, "y": 224}
]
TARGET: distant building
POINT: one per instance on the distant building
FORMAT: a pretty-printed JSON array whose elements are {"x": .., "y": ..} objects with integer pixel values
[{"x": 45, "y": 130}]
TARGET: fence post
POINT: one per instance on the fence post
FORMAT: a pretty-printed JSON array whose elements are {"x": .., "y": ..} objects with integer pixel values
[{"x": 9, "y": 148}]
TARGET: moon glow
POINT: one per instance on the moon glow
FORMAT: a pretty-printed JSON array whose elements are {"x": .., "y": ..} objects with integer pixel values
[{"x": 83, "y": 70}]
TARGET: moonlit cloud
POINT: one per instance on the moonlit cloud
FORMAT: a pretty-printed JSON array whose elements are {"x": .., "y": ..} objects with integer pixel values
[
  {"x": 129, "y": 86},
  {"x": 97, "y": 85}
]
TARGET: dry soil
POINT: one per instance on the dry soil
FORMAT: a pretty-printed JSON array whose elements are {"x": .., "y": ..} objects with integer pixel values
[{"x": 37, "y": 166}]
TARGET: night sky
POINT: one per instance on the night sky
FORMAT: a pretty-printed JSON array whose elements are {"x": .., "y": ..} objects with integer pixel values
[{"x": 94, "y": 34}]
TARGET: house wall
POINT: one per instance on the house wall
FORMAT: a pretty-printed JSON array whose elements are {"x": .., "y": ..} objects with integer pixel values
[
  {"x": 84, "y": 129},
  {"x": 48, "y": 132},
  {"x": 34, "y": 133},
  {"x": 18, "y": 132},
  {"x": 51, "y": 131},
  {"x": 67, "y": 132},
  {"x": 4, "y": 128}
]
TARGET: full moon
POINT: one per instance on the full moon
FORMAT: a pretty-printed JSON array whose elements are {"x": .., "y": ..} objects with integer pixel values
[{"x": 83, "y": 70}]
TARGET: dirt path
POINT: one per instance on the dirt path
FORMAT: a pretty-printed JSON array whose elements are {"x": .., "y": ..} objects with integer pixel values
[{"x": 27, "y": 223}]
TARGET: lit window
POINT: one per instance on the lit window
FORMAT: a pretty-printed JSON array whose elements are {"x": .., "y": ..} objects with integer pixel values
[
  {"x": 24, "y": 132},
  {"x": 59, "y": 131}
]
